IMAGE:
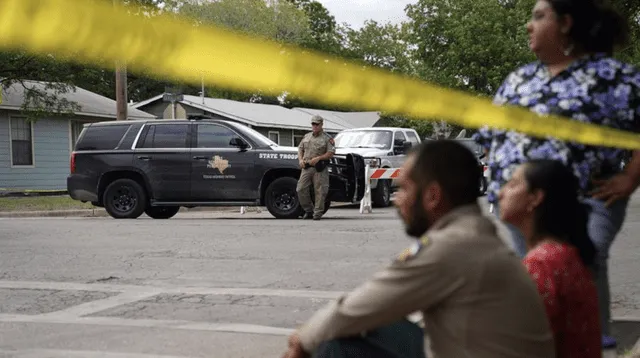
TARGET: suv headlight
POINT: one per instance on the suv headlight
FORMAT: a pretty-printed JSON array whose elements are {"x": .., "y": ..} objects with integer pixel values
[{"x": 373, "y": 162}]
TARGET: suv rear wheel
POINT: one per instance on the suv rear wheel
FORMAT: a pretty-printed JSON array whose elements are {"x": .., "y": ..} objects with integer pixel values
[
  {"x": 125, "y": 199},
  {"x": 162, "y": 212}
]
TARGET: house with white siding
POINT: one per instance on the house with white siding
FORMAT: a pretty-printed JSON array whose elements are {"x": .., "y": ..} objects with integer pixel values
[
  {"x": 282, "y": 125},
  {"x": 34, "y": 155}
]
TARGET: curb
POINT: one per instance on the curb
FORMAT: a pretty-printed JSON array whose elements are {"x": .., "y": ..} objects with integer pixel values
[
  {"x": 4, "y": 193},
  {"x": 100, "y": 212}
]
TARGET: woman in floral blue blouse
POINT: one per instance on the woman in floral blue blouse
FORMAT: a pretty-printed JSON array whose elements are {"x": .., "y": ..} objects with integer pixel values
[{"x": 575, "y": 77}]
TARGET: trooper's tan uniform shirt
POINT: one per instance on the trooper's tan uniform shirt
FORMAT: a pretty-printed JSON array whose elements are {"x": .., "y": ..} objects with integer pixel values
[
  {"x": 314, "y": 146},
  {"x": 474, "y": 293}
]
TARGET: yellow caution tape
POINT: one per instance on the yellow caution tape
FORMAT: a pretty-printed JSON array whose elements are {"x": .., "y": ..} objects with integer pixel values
[{"x": 95, "y": 31}]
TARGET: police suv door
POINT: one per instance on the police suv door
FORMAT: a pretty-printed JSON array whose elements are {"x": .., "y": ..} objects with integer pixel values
[
  {"x": 219, "y": 170},
  {"x": 162, "y": 154}
]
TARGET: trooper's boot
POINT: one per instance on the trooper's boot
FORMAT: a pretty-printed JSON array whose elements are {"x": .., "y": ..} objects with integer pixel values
[{"x": 307, "y": 216}]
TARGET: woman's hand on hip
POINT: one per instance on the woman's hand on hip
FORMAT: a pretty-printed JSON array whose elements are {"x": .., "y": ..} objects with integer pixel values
[{"x": 618, "y": 187}]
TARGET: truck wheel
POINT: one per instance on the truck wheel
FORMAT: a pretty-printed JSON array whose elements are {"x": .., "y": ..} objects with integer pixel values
[
  {"x": 162, "y": 212},
  {"x": 281, "y": 198},
  {"x": 381, "y": 195},
  {"x": 125, "y": 199}
]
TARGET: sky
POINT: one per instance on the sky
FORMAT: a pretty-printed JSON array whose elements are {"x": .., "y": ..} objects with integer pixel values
[{"x": 355, "y": 12}]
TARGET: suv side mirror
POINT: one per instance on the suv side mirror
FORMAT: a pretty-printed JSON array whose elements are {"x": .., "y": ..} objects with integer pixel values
[
  {"x": 238, "y": 142},
  {"x": 400, "y": 146}
]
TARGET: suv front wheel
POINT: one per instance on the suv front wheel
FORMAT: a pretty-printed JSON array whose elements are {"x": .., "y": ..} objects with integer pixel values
[
  {"x": 125, "y": 199},
  {"x": 281, "y": 198}
]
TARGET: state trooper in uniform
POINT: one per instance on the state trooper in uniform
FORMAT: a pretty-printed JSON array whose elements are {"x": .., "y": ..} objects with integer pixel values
[
  {"x": 476, "y": 298},
  {"x": 314, "y": 152}
]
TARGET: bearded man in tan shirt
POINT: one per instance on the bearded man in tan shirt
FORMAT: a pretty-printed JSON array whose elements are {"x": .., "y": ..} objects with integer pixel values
[{"x": 476, "y": 298}]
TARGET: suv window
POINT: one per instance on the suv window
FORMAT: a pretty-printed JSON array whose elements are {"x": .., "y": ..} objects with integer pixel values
[
  {"x": 413, "y": 138},
  {"x": 166, "y": 136},
  {"x": 399, "y": 137},
  {"x": 214, "y": 136},
  {"x": 101, "y": 137}
]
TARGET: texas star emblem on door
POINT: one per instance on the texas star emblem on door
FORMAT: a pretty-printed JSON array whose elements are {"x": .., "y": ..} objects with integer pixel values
[
  {"x": 220, "y": 171},
  {"x": 219, "y": 163}
]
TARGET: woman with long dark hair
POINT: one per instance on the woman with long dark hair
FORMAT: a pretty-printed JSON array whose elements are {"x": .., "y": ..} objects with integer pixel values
[
  {"x": 575, "y": 77},
  {"x": 541, "y": 200}
]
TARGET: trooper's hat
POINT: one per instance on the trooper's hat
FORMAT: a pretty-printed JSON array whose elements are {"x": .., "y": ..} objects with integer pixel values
[{"x": 317, "y": 119}]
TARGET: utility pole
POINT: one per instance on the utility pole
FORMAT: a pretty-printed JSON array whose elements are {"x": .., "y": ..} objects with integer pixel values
[
  {"x": 202, "y": 93},
  {"x": 121, "y": 87}
]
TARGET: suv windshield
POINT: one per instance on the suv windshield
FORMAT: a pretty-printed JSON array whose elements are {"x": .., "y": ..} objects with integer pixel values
[
  {"x": 364, "y": 139},
  {"x": 259, "y": 137}
]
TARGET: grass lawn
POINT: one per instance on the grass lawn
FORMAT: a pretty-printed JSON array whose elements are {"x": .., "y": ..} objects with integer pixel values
[{"x": 41, "y": 203}]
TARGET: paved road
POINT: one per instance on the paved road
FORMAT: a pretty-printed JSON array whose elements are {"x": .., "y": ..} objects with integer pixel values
[{"x": 201, "y": 284}]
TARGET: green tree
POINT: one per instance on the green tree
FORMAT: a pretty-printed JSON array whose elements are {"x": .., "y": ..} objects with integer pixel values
[
  {"x": 277, "y": 20},
  {"x": 386, "y": 46},
  {"x": 424, "y": 128},
  {"x": 16, "y": 67},
  {"x": 469, "y": 44},
  {"x": 630, "y": 9},
  {"x": 377, "y": 45},
  {"x": 273, "y": 20},
  {"x": 326, "y": 35}
]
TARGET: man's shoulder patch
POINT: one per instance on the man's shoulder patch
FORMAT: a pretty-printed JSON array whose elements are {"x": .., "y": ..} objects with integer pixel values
[
  {"x": 329, "y": 138},
  {"x": 413, "y": 250}
]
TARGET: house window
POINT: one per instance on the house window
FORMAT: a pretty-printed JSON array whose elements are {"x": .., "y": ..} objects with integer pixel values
[
  {"x": 274, "y": 136},
  {"x": 297, "y": 139},
  {"x": 21, "y": 142}
]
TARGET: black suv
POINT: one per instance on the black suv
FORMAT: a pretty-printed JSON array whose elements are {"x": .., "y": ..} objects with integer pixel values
[{"x": 157, "y": 166}]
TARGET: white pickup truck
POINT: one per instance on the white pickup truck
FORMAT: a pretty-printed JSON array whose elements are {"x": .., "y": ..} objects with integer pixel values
[{"x": 381, "y": 147}]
